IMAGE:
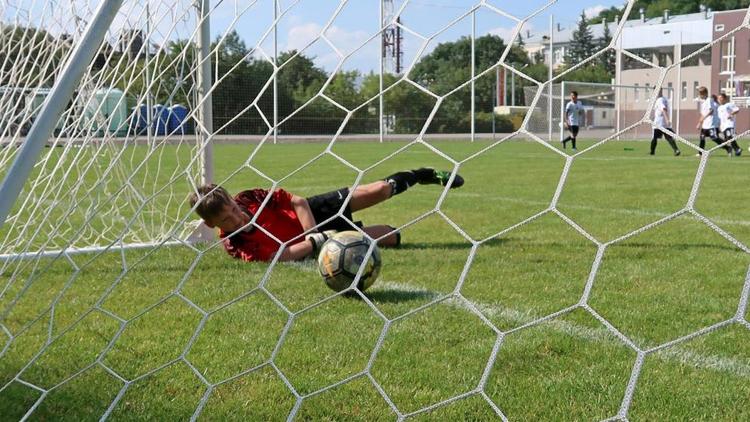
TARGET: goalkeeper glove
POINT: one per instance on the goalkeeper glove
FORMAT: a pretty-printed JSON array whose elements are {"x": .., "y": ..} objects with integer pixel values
[{"x": 318, "y": 239}]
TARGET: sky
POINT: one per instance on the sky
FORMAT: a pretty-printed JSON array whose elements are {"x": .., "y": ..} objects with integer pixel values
[
  {"x": 355, "y": 24},
  {"x": 350, "y": 27}
]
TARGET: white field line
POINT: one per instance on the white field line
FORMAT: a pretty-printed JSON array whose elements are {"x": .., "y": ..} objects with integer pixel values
[{"x": 675, "y": 353}]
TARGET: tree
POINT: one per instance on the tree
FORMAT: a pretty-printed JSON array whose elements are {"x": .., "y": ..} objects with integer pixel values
[
  {"x": 449, "y": 65},
  {"x": 582, "y": 44},
  {"x": 608, "y": 59},
  {"x": 591, "y": 73},
  {"x": 609, "y": 15}
]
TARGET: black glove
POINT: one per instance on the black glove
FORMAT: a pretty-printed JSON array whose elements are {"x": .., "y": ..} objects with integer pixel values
[{"x": 318, "y": 239}]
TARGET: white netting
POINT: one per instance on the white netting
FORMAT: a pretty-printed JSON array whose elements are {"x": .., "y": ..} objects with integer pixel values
[{"x": 108, "y": 181}]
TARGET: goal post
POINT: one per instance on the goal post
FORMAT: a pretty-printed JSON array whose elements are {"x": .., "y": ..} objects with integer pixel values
[
  {"x": 98, "y": 127},
  {"x": 54, "y": 105}
]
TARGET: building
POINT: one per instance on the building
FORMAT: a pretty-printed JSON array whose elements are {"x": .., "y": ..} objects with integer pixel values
[
  {"x": 661, "y": 42},
  {"x": 536, "y": 43},
  {"x": 131, "y": 43}
]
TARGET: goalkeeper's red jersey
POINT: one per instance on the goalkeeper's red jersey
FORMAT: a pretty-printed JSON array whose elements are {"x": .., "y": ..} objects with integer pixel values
[{"x": 278, "y": 218}]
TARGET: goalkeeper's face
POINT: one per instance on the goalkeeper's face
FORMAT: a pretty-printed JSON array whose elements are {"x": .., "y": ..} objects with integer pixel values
[{"x": 229, "y": 219}]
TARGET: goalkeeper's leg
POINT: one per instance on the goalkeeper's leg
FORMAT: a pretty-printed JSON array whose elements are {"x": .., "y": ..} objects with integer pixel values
[
  {"x": 374, "y": 193},
  {"x": 387, "y": 235}
]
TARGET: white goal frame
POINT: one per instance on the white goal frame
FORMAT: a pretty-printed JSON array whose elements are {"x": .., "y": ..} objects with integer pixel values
[{"x": 60, "y": 94}]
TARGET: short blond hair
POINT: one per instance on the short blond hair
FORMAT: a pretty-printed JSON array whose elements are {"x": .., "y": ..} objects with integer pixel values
[
  {"x": 703, "y": 91},
  {"x": 211, "y": 199}
]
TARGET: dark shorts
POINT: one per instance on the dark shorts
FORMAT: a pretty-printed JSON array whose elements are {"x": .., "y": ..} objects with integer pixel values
[
  {"x": 573, "y": 130},
  {"x": 326, "y": 205},
  {"x": 711, "y": 133},
  {"x": 729, "y": 133},
  {"x": 658, "y": 133}
]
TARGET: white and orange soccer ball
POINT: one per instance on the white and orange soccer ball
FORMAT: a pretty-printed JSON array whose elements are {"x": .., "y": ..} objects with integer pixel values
[{"x": 342, "y": 256}]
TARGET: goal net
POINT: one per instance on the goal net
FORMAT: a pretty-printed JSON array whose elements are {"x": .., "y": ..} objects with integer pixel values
[
  {"x": 123, "y": 142},
  {"x": 117, "y": 302}
]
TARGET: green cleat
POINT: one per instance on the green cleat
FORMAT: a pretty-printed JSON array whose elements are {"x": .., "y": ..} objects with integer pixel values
[{"x": 430, "y": 176}]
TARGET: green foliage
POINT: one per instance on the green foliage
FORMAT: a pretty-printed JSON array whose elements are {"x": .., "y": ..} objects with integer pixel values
[
  {"x": 589, "y": 73},
  {"x": 610, "y": 15},
  {"x": 608, "y": 59},
  {"x": 448, "y": 66},
  {"x": 582, "y": 45},
  {"x": 35, "y": 60}
]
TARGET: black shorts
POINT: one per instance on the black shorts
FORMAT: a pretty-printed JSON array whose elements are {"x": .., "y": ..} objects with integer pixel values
[
  {"x": 573, "y": 130},
  {"x": 729, "y": 133},
  {"x": 326, "y": 205},
  {"x": 658, "y": 132},
  {"x": 711, "y": 133}
]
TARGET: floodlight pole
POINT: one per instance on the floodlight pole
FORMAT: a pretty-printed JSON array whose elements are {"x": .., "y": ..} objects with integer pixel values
[
  {"x": 54, "y": 105},
  {"x": 618, "y": 83},
  {"x": 275, "y": 74},
  {"x": 679, "y": 86},
  {"x": 550, "y": 75},
  {"x": 473, "y": 71},
  {"x": 495, "y": 99},
  {"x": 732, "y": 59},
  {"x": 204, "y": 92},
  {"x": 382, "y": 67},
  {"x": 147, "y": 81},
  {"x": 513, "y": 86}
]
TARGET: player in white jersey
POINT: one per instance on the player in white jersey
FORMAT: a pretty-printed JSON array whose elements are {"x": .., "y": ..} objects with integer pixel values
[
  {"x": 727, "y": 113},
  {"x": 662, "y": 124},
  {"x": 573, "y": 119},
  {"x": 706, "y": 124}
]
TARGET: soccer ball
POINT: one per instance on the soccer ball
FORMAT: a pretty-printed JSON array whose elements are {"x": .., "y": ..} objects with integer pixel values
[{"x": 341, "y": 257}]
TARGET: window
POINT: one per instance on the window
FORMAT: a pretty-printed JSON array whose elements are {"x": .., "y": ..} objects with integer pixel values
[
  {"x": 700, "y": 59},
  {"x": 670, "y": 88},
  {"x": 719, "y": 27},
  {"x": 559, "y": 54},
  {"x": 727, "y": 56},
  {"x": 684, "y": 91},
  {"x": 630, "y": 63},
  {"x": 729, "y": 88},
  {"x": 695, "y": 89},
  {"x": 604, "y": 114},
  {"x": 637, "y": 92},
  {"x": 666, "y": 58}
]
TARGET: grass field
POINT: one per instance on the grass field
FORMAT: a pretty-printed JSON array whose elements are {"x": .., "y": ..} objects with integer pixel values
[{"x": 453, "y": 330}]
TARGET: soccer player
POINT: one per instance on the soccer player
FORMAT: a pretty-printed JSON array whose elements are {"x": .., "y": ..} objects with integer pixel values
[
  {"x": 573, "y": 118},
  {"x": 661, "y": 122},
  {"x": 287, "y": 216},
  {"x": 708, "y": 122},
  {"x": 727, "y": 113}
]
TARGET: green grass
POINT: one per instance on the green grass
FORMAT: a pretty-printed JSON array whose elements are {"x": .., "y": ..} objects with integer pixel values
[{"x": 241, "y": 341}]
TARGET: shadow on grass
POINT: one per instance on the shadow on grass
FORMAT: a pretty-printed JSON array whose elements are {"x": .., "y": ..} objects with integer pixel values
[
  {"x": 390, "y": 295},
  {"x": 449, "y": 245}
]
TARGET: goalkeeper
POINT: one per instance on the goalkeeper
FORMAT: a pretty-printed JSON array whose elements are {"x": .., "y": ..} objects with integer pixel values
[{"x": 286, "y": 216}]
